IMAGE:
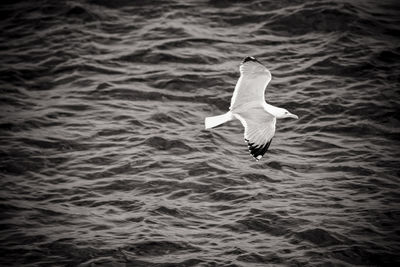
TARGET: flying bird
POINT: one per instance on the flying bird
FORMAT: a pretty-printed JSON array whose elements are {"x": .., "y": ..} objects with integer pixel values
[{"x": 249, "y": 107}]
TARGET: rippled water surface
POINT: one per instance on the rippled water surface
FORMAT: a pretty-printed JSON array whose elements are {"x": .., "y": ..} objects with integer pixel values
[{"x": 104, "y": 160}]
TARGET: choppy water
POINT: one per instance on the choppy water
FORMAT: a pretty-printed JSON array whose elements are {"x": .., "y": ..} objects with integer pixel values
[{"x": 105, "y": 162}]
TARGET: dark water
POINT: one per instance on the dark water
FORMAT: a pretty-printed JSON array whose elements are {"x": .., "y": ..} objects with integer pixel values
[{"x": 105, "y": 162}]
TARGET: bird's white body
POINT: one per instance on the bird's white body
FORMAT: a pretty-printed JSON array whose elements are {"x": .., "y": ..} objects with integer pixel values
[{"x": 249, "y": 107}]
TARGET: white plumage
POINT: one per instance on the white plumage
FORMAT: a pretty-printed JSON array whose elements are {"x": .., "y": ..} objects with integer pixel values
[{"x": 249, "y": 107}]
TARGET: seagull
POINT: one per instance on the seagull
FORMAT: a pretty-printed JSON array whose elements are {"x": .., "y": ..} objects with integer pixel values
[{"x": 249, "y": 107}]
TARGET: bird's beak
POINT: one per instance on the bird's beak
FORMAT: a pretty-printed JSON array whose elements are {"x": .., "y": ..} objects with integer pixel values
[{"x": 293, "y": 116}]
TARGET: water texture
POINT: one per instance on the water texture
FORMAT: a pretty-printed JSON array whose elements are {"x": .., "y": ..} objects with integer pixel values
[{"x": 104, "y": 160}]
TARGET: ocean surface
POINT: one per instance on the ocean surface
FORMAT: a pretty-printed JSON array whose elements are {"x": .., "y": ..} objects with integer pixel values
[{"x": 104, "y": 160}]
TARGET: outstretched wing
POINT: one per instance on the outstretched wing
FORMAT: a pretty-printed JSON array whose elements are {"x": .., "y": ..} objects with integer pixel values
[
  {"x": 259, "y": 129},
  {"x": 254, "y": 78}
]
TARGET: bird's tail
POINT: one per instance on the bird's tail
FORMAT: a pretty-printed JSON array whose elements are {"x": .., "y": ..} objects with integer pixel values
[{"x": 211, "y": 122}]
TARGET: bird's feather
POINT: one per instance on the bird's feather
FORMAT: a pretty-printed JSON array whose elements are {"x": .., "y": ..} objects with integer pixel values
[
  {"x": 253, "y": 80},
  {"x": 259, "y": 130}
]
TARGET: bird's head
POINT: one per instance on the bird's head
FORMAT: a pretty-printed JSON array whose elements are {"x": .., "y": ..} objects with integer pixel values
[{"x": 283, "y": 113}]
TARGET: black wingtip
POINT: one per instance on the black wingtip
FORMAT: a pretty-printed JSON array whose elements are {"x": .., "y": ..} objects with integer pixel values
[
  {"x": 258, "y": 151},
  {"x": 247, "y": 59}
]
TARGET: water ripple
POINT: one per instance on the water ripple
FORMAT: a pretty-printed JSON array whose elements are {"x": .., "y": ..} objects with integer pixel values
[{"x": 104, "y": 159}]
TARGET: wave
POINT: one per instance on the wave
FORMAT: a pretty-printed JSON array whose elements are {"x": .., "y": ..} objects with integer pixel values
[{"x": 104, "y": 157}]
